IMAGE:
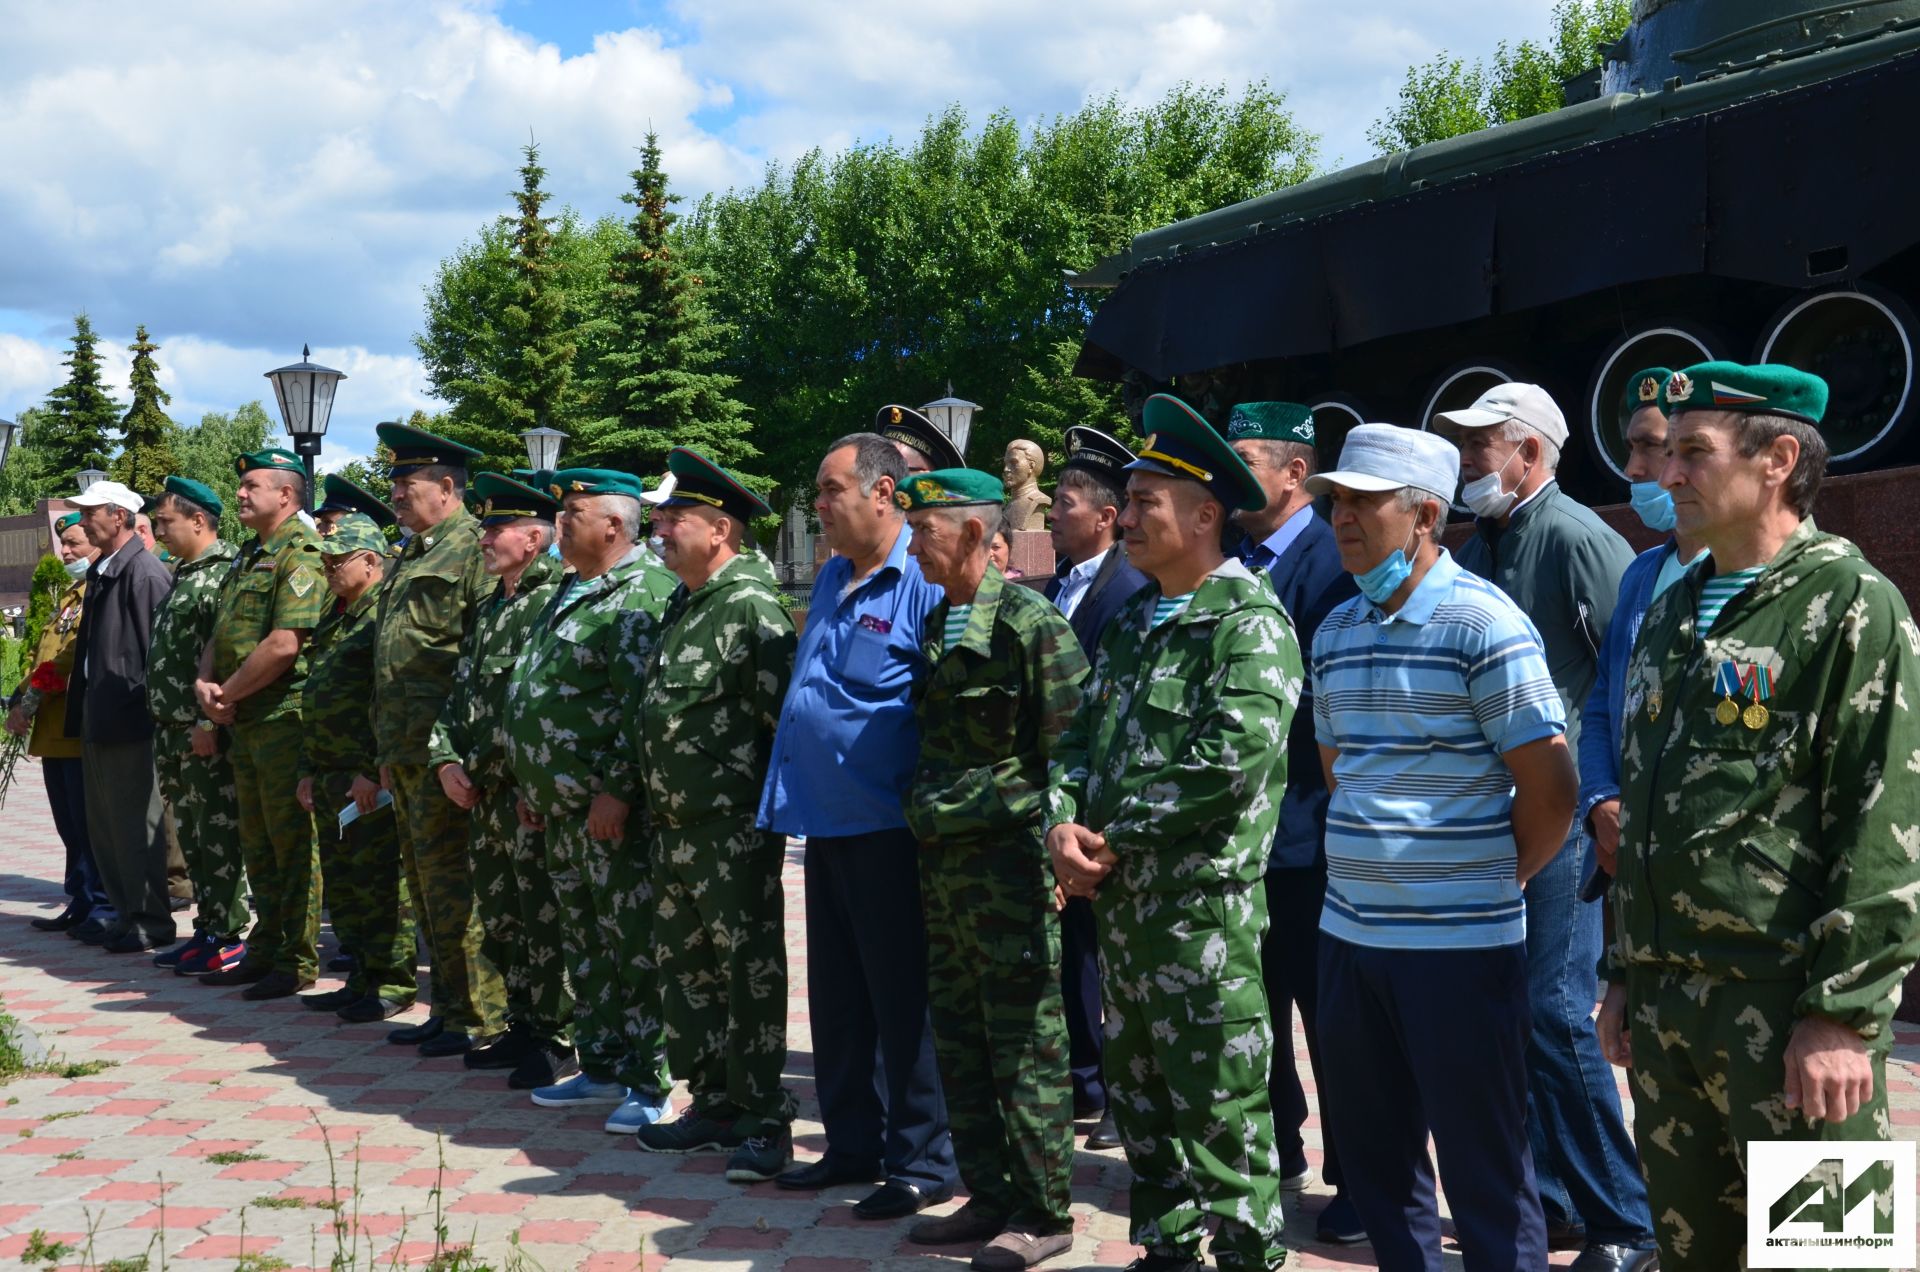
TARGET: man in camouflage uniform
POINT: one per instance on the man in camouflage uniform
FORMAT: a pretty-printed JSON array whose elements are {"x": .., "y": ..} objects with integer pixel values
[
  {"x": 365, "y": 883},
  {"x": 189, "y": 751},
  {"x": 512, "y": 885},
  {"x": 583, "y": 664},
  {"x": 251, "y": 674},
  {"x": 1769, "y": 824},
  {"x": 1004, "y": 685},
  {"x": 702, "y": 730},
  {"x": 1163, "y": 800},
  {"x": 426, "y": 608}
]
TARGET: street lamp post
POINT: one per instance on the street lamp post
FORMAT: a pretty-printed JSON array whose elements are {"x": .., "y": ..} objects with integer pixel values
[
  {"x": 543, "y": 447},
  {"x": 87, "y": 476},
  {"x": 305, "y": 392},
  {"x": 952, "y": 416}
]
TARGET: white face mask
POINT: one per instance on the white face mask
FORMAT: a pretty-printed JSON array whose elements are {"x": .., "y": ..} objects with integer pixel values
[{"x": 1484, "y": 495}]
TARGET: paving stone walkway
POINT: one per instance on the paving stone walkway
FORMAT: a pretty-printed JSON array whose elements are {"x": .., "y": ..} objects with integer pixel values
[{"x": 222, "y": 1130}]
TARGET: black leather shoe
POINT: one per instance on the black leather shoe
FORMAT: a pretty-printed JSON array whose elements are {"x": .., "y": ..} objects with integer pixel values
[
  {"x": 1598, "y": 1256},
  {"x": 61, "y": 922},
  {"x": 545, "y": 1065},
  {"x": 1104, "y": 1136},
  {"x": 92, "y": 932},
  {"x": 365, "y": 1011},
  {"x": 896, "y": 1199},
  {"x": 341, "y": 962},
  {"x": 274, "y": 985},
  {"x": 130, "y": 943},
  {"x": 825, "y": 1173},
  {"x": 506, "y": 1051},
  {"x": 448, "y": 1042},
  {"x": 332, "y": 1000},
  {"x": 241, "y": 975},
  {"x": 414, "y": 1035}
]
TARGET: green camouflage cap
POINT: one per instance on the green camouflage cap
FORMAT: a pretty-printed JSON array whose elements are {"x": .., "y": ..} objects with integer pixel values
[
  {"x": 1180, "y": 443},
  {"x": 1768, "y": 387},
  {"x": 355, "y": 532},
  {"x": 195, "y": 492},
  {"x": 1271, "y": 422},
  {"x": 595, "y": 481},
  {"x": 272, "y": 457},
  {"x": 1642, "y": 391},
  {"x": 415, "y": 447},
  {"x": 949, "y": 488}
]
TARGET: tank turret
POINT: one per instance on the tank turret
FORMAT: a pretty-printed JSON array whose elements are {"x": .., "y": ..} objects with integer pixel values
[{"x": 1685, "y": 40}]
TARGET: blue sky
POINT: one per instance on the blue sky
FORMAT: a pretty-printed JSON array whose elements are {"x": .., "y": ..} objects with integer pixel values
[{"x": 244, "y": 178}]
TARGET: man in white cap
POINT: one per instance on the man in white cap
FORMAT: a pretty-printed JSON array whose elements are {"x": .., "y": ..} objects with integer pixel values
[
  {"x": 1562, "y": 566},
  {"x": 1441, "y": 736},
  {"x": 107, "y": 711}
]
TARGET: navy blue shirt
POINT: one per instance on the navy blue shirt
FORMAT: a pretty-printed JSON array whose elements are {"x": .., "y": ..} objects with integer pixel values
[{"x": 844, "y": 755}]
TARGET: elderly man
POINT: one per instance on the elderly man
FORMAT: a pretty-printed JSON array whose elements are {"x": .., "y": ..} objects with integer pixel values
[
  {"x": 1004, "y": 686},
  {"x": 1441, "y": 736},
  {"x": 360, "y": 860},
  {"x": 1763, "y": 911},
  {"x": 704, "y": 728},
  {"x": 1097, "y": 579},
  {"x": 512, "y": 887},
  {"x": 1162, "y": 804},
  {"x": 1562, "y": 566},
  {"x": 426, "y": 607},
  {"x": 107, "y": 711},
  {"x": 251, "y": 675},
  {"x": 922, "y": 447},
  {"x": 190, "y": 751},
  {"x": 567, "y": 703},
  {"x": 843, "y": 763}
]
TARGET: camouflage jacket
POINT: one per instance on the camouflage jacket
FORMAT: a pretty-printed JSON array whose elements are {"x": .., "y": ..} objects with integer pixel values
[
  {"x": 583, "y": 665},
  {"x": 990, "y": 712},
  {"x": 275, "y": 584},
  {"x": 426, "y": 606},
  {"x": 472, "y": 728},
  {"x": 1790, "y": 851},
  {"x": 1178, "y": 753},
  {"x": 180, "y": 632},
  {"x": 702, "y": 728},
  {"x": 338, "y": 737}
]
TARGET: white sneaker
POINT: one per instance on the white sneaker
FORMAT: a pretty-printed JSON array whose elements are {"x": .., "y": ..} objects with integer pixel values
[
  {"x": 576, "y": 1091},
  {"x": 636, "y": 1111}
]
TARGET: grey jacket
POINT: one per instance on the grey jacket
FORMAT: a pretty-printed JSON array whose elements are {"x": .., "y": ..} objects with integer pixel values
[{"x": 107, "y": 692}]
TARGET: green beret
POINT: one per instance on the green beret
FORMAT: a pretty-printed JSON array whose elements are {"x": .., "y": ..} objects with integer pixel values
[
  {"x": 66, "y": 523},
  {"x": 595, "y": 481},
  {"x": 950, "y": 488},
  {"x": 195, "y": 492},
  {"x": 1271, "y": 422},
  {"x": 355, "y": 532},
  {"x": 416, "y": 448},
  {"x": 1730, "y": 386},
  {"x": 272, "y": 457},
  {"x": 698, "y": 480},
  {"x": 1643, "y": 390},
  {"x": 1180, "y": 443},
  {"x": 911, "y": 429},
  {"x": 341, "y": 495},
  {"x": 503, "y": 499}
]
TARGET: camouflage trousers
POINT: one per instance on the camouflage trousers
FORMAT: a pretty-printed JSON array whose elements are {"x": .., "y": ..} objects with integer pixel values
[
  {"x": 1000, "y": 1025},
  {"x": 719, "y": 937},
  {"x": 519, "y": 915},
  {"x": 1709, "y": 1075},
  {"x": 276, "y": 839},
  {"x": 206, "y": 813},
  {"x": 465, "y": 987},
  {"x": 606, "y": 907},
  {"x": 1189, "y": 1045},
  {"x": 366, "y": 893}
]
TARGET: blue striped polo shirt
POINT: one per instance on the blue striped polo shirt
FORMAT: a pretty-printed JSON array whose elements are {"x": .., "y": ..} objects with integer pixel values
[{"x": 1420, "y": 705}]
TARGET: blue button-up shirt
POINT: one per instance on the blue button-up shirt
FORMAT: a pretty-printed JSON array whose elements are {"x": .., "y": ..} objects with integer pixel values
[{"x": 844, "y": 755}]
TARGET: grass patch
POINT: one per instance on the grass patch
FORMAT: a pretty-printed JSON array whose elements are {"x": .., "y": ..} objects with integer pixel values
[
  {"x": 277, "y": 1203},
  {"x": 81, "y": 1068},
  {"x": 40, "y": 1250},
  {"x": 56, "y": 1117},
  {"x": 250, "y": 1262},
  {"x": 134, "y": 1263},
  {"x": 232, "y": 1157},
  {"x": 68, "y": 1157}
]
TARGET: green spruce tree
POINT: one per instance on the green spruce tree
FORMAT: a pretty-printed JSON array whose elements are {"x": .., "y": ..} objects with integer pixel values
[
  {"x": 146, "y": 454},
  {"x": 655, "y": 383},
  {"x": 80, "y": 414}
]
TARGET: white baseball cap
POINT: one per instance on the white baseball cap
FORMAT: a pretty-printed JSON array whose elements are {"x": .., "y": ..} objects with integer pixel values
[
  {"x": 108, "y": 492},
  {"x": 1528, "y": 403}
]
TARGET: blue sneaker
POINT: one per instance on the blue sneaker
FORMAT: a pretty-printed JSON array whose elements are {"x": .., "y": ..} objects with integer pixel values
[
  {"x": 636, "y": 1111},
  {"x": 577, "y": 1091}
]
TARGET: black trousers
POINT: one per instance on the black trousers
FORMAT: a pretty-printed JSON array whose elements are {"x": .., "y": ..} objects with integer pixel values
[
  {"x": 873, "y": 1063},
  {"x": 1080, "y": 990},
  {"x": 67, "y": 796},
  {"x": 1289, "y": 959}
]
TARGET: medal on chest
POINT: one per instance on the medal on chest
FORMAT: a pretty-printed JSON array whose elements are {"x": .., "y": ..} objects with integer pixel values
[{"x": 1753, "y": 681}]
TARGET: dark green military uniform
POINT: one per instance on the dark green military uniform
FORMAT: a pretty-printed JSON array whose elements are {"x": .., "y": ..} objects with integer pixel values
[
  {"x": 365, "y": 880},
  {"x": 276, "y": 584},
  {"x": 200, "y": 790},
  {"x": 512, "y": 885},
  {"x": 989, "y": 712}
]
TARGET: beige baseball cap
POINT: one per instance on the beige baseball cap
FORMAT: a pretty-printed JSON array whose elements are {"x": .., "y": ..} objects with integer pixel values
[{"x": 1528, "y": 403}]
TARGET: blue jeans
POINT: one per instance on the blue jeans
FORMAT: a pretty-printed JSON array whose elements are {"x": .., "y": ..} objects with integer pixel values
[{"x": 1583, "y": 1156}]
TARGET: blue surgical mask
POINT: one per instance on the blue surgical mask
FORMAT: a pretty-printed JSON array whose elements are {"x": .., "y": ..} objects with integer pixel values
[
  {"x": 77, "y": 568},
  {"x": 1654, "y": 504},
  {"x": 1384, "y": 579}
]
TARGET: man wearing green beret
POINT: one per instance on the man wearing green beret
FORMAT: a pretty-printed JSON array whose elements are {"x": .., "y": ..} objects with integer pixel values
[
  {"x": 1004, "y": 685},
  {"x": 1763, "y": 909},
  {"x": 426, "y": 608},
  {"x": 251, "y": 675},
  {"x": 190, "y": 751},
  {"x": 702, "y": 730},
  {"x": 512, "y": 885},
  {"x": 365, "y": 880},
  {"x": 566, "y": 706},
  {"x": 1162, "y": 804}
]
